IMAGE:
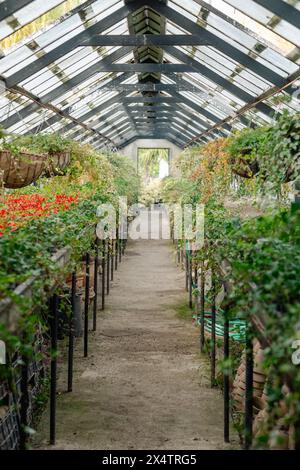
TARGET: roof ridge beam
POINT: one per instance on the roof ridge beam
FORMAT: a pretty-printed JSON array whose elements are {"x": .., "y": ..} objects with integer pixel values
[{"x": 138, "y": 40}]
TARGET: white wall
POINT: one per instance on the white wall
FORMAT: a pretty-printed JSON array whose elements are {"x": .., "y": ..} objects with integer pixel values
[{"x": 131, "y": 150}]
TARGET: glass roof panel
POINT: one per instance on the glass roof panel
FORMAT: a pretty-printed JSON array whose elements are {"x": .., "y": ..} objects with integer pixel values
[{"x": 72, "y": 82}]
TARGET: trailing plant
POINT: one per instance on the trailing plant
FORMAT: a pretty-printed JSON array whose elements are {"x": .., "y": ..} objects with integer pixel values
[
  {"x": 127, "y": 181},
  {"x": 44, "y": 143},
  {"x": 212, "y": 172},
  {"x": 272, "y": 153},
  {"x": 245, "y": 149},
  {"x": 264, "y": 259}
]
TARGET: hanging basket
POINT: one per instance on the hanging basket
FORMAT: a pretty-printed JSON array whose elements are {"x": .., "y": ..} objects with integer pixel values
[
  {"x": 57, "y": 163},
  {"x": 20, "y": 170},
  {"x": 244, "y": 168}
]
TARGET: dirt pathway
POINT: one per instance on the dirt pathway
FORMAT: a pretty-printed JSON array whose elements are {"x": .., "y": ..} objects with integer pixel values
[{"x": 144, "y": 385}]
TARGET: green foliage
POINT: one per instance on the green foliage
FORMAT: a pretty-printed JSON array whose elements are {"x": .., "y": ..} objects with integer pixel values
[
  {"x": 249, "y": 143},
  {"x": 28, "y": 251},
  {"x": 272, "y": 153},
  {"x": 264, "y": 259},
  {"x": 178, "y": 190},
  {"x": 148, "y": 161},
  {"x": 257, "y": 260},
  {"x": 36, "y": 143},
  {"x": 126, "y": 180},
  {"x": 283, "y": 161}
]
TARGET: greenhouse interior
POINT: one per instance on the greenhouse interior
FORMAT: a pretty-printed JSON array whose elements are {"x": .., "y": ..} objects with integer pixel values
[{"x": 149, "y": 227}]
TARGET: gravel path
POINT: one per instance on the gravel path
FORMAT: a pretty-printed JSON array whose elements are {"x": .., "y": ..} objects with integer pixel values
[{"x": 144, "y": 384}]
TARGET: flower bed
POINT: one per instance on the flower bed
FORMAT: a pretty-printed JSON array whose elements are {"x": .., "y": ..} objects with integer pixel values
[{"x": 16, "y": 211}]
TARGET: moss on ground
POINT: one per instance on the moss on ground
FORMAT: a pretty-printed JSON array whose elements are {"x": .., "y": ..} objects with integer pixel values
[{"x": 184, "y": 312}]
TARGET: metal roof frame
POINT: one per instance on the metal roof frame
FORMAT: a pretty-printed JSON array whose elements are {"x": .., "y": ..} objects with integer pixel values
[{"x": 165, "y": 49}]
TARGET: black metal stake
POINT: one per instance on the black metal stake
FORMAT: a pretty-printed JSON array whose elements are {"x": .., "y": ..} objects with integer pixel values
[
  {"x": 53, "y": 367},
  {"x": 96, "y": 268},
  {"x": 226, "y": 381},
  {"x": 186, "y": 271},
  {"x": 196, "y": 273},
  {"x": 108, "y": 268},
  {"x": 213, "y": 329},
  {"x": 86, "y": 304},
  {"x": 14, "y": 392},
  {"x": 24, "y": 403},
  {"x": 190, "y": 274},
  {"x": 112, "y": 260},
  {"x": 202, "y": 307},
  {"x": 249, "y": 391},
  {"x": 71, "y": 334},
  {"x": 116, "y": 249},
  {"x": 120, "y": 250},
  {"x": 103, "y": 275}
]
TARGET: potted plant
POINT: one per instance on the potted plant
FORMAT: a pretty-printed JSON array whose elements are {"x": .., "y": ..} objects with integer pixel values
[
  {"x": 55, "y": 147},
  {"x": 19, "y": 165},
  {"x": 58, "y": 150},
  {"x": 244, "y": 149}
]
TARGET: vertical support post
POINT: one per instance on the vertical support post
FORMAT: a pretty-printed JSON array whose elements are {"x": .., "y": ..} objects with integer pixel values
[
  {"x": 71, "y": 334},
  {"x": 112, "y": 260},
  {"x": 226, "y": 380},
  {"x": 186, "y": 270},
  {"x": 86, "y": 304},
  {"x": 172, "y": 231},
  {"x": 96, "y": 268},
  {"x": 116, "y": 249},
  {"x": 190, "y": 274},
  {"x": 24, "y": 403},
  {"x": 53, "y": 367},
  {"x": 120, "y": 251},
  {"x": 103, "y": 275},
  {"x": 249, "y": 390},
  {"x": 213, "y": 329},
  {"x": 195, "y": 272},
  {"x": 108, "y": 268},
  {"x": 202, "y": 307}
]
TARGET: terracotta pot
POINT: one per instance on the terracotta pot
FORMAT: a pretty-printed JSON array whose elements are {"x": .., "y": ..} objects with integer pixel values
[
  {"x": 91, "y": 293},
  {"x": 259, "y": 378},
  {"x": 260, "y": 402},
  {"x": 21, "y": 170},
  {"x": 259, "y": 422},
  {"x": 56, "y": 163},
  {"x": 81, "y": 276}
]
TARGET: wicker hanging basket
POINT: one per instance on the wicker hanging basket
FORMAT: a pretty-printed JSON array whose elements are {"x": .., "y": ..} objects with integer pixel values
[
  {"x": 57, "y": 163},
  {"x": 20, "y": 170},
  {"x": 244, "y": 168}
]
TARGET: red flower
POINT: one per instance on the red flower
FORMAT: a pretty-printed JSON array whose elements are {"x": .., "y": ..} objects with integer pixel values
[{"x": 17, "y": 210}]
